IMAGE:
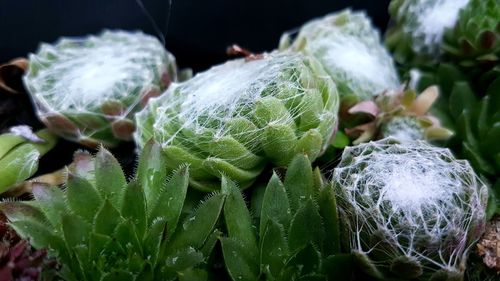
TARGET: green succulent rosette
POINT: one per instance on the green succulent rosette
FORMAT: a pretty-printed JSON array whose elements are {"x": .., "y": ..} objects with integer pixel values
[
  {"x": 99, "y": 227},
  {"x": 351, "y": 51},
  {"x": 87, "y": 89},
  {"x": 237, "y": 117},
  {"x": 473, "y": 43},
  {"x": 409, "y": 211},
  {"x": 418, "y": 28}
]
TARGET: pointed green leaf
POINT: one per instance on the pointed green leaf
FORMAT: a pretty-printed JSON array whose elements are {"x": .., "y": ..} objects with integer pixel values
[
  {"x": 307, "y": 259},
  {"x": 279, "y": 143},
  {"x": 107, "y": 218},
  {"x": 299, "y": 182},
  {"x": 275, "y": 205},
  {"x": 240, "y": 263},
  {"x": 126, "y": 235},
  {"x": 197, "y": 227},
  {"x": 210, "y": 243},
  {"x": 152, "y": 172},
  {"x": 306, "y": 227},
  {"x": 38, "y": 234},
  {"x": 110, "y": 180},
  {"x": 232, "y": 151},
  {"x": 237, "y": 217},
  {"x": 154, "y": 236},
  {"x": 82, "y": 198},
  {"x": 51, "y": 201},
  {"x": 134, "y": 207},
  {"x": 184, "y": 259},
  {"x": 97, "y": 243},
  {"x": 178, "y": 156},
  {"x": 274, "y": 248},
  {"x": 75, "y": 230},
  {"x": 218, "y": 166},
  {"x": 328, "y": 210},
  {"x": 310, "y": 144},
  {"x": 171, "y": 199}
]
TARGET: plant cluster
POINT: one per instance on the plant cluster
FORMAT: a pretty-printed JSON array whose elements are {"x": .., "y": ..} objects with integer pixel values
[{"x": 229, "y": 185}]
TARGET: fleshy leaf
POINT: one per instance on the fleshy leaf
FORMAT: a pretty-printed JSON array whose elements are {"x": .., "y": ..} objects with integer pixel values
[
  {"x": 240, "y": 263},
  {"x": 134, "y": 207},
  {"x": 306, "y": 227},
  {"x": 82, "y": 198},
  {"x": 197, "y": 227},
  {"x": 237, "y": 217},
  {"x": 299, "y": 181},
  {"x": 275, "y": 205},
  {"x": 110, "y": 180},
  {"x": 171, "y": 200},
  {"x": 151, "y": 172}
]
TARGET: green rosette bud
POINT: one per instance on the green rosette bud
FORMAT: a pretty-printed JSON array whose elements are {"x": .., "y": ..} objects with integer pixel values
[
  {"x": 87, "y": 89},
  {"x": 351, "y": 51},
  {"x": 409, "y": 210},
  {"x": 239, "y": 116}
]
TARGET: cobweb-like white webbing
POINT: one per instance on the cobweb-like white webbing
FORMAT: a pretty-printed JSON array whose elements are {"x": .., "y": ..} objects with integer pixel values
[
  {"x": 79, "y": 74},
  {"x": 428, "y": 19},
  {"x": 204, "y": 109},
  {"x": 350, "y": 48},
  {"x": 425, "y": 203}
]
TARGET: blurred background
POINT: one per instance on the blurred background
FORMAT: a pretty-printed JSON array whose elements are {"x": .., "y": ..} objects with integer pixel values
[{"x": 197, "y": 32}]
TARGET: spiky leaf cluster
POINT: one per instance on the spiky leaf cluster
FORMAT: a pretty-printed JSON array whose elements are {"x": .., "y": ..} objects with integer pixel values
[
  {"x": 87, "y": 89},
  {"x": 297, "y": 236},
  {"x": 350, "y": 49},
  {"x": 474, "y": 41},
  {"x": 409, "y": 210},
  {"x": 103, "y": 228},
  {"x": 239, "y": 116}
]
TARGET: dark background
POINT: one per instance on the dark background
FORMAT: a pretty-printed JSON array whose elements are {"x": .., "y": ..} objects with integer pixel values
[{"x": 198, "y": 30}]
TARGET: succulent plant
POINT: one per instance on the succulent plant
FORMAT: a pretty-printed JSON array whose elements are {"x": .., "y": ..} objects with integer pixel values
[
  {"x": 401, "y": 115},
  {"x": 474, "y": 118},
  {"x": 103, "y": 228},
  {"x": 87, "y": 89},
  {"x": 297, "y": 237},
  {"x": 19, "y": 155},
  {"x": 474, "y": 41},
  {"x": 418, "y": 28},
  {"x": 350, "y": 49},
  {"x": 409, "y": 211},
  {"x": 239, "y": 116},
  {"x": 424, "y": 32}
]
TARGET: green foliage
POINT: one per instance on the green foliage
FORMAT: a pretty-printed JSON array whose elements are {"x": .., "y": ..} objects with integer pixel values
[
  {"x": 19, "y": 157},
  {"x": 297, "y": 237},
  {"x": 102, "y": 228}
]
